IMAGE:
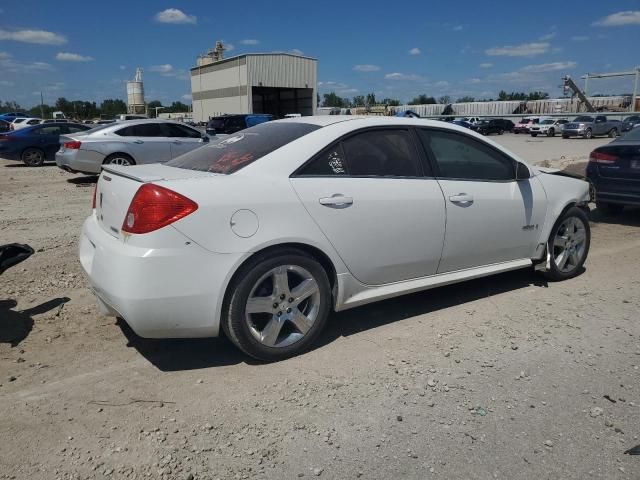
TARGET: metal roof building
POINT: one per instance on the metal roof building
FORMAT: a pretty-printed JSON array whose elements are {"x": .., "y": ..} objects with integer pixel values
[{"x": 275, "y": 83}]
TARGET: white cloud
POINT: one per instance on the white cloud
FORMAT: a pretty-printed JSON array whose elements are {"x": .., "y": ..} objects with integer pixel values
[
  {"x": 486, "y": 65},
  {"x": 72, "y": 57},
  {"x": 366, "y": 68},
  {"x": 8, "y": 64},
  {"x": 229, "y": 47},
  {"x": 165, "y": 68},
  {"x": 348, "y": 91},
  {"x": 249, "y": 41},
  {"x": 186, "y": 96},
  {"x": 619, "y": 19},
  {"x": 474, "y": 80},
  {"x": 457, "y": 28},
  {"x": 442, "y": 84},
  {"x": 297, "y": 51},
  {"x": 4, "y": 55},
  {"x": 524, "y": 50},
  {"x": 548, "y": 36},
  {"x": 33, "y": 36},
  {"x": 174, "y": 15},
  {"x": 415, "y": 51},
  {"x": 401, "y": 76},
  {"x": 123, "y": 67},
  {"x": 579, "y": 38},
  {"x": 6, "y": 83},
  {"x": 549, "y": 67}
]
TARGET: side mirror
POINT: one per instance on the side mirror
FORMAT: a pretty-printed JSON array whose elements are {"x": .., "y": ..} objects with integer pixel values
[{"x": 522, "y": 171}]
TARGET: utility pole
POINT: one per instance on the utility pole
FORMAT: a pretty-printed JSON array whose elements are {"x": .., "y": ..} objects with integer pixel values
[
  {"x": 41, "y": 106},
  {"x": 158, "y": 108}
]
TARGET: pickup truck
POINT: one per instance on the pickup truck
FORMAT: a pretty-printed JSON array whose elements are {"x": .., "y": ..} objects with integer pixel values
[{"x": 586, "y": 126}]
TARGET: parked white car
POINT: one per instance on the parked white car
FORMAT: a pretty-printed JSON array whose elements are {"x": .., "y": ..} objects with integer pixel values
[
  {"x": 548, "y": 127},
  {"x": 19, "y": 123},
  {"x": 129, "y": 142},
  {"x": 265, "y": 232}
]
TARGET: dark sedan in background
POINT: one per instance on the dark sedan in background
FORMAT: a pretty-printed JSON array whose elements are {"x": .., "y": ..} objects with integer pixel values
[
  {"x": 4, "y": 126},
  {"x": 614, "y": 171},
  {"x": 37, "y": 144},
  {"x": 487, "y": 127}
]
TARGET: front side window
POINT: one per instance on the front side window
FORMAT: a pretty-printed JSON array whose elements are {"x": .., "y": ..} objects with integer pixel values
[
  {"x": 49, "y": 130},
  {"x": 461, "y": 157},
  {"x": 381, "y": 153}
]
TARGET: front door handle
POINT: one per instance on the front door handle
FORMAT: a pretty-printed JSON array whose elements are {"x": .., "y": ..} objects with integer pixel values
[
  {"x": 336, "y": 201},
  {"x": 462, "y": 198},
  {"x": 177, "y": 142},
  {"x": 139, "y": 142}
]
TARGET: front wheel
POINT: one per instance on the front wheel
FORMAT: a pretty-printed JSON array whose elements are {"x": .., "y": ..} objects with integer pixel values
[
  {"x": 33, "y": 157},
  {"x": 534, "y": 134},
  {"x": 588, "y": 133},
  {"x": 551, "y": 133},
  {"x": 568, "y": 244},
  {"x": 278, "y": 306},
  {"x": 613, "y": 133}
]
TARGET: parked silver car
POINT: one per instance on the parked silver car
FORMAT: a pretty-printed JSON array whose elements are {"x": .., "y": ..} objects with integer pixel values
[
  {"x": 126, "y": 143},
  {"x": 548, "y": 127}
]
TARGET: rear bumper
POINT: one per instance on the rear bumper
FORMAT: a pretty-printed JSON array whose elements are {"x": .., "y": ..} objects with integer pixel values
[
  {"x": 84, "y": 161},
  {"x": 169, "y": 292},
  {"x": 610, "y": 190}
]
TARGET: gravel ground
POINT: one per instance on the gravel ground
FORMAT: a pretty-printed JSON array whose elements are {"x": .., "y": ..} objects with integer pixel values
[{"x": 507, "y": 377}]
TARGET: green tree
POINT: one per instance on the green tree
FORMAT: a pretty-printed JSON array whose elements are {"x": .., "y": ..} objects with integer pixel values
[
  {"x": 177, "y": 107},
  {"x": 423, "y": 100},
  {"x": 445, "y": 99},
  {"x": 466, "y": 99},
  {"x": 358, "y": 101},
  {"x": 332, "y": 100},
  {"x": 537, "y": 95},
  {"x": 392, "y": 102},
  {"x": 151, "y": 106},
  {"x": 370, "y": 99},
  {"x": 111, "y": 107}
]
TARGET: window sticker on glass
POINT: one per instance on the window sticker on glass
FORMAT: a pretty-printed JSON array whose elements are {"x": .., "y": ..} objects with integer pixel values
[
  {"x": 228, "y": 141},
  {"x": 335, "y": 162}
]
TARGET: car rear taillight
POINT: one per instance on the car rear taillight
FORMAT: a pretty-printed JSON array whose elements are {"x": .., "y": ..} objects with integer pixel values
[
  {"x": 72, "y": 145},
  {"x": 154, "y": 207},
  {"x": 601, "y": 157}
]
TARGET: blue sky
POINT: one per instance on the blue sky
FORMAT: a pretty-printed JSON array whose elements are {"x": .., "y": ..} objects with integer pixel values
[{"x": 86, "y": 50}]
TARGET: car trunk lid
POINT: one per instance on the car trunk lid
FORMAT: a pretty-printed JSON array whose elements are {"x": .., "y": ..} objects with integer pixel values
[
  {"x": 117, "y": 186},
  {"x": 618, "y": 161}
]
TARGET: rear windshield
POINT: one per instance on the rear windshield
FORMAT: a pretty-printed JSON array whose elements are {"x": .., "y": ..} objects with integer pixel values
[
  {"x": 236, "y": 151},
  {"x": 216, "y": 123},
  {"x": 547, "y": 122}
]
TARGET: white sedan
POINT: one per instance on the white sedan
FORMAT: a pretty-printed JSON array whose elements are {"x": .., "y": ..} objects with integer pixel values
[{"x": 264, "y": 233}]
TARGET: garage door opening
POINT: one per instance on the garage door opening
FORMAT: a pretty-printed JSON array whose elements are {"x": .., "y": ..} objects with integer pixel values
[{"x": 282, "y": 101}]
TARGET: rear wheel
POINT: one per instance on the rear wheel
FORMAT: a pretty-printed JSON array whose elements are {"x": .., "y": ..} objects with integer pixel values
[
  {"x": 119, "y": 159},
  {"x": 33, "y": 157},
  {"x": 278, "y": 306},
  {"x": 500, "y": 132},
  {"x": 551, "y": 133},
  {"x": 613, "y": 133},
  {"x": 609, "y": 208},
  {"x": 568, "y": 244}
]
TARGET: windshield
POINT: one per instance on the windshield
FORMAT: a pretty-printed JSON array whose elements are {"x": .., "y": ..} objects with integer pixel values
[
  {"x": 546, "y": 122},
  {"x": 633, "y": 134},
  {"x": 216, "y": 124},
  {"x": 524, "y": 121},
  {"x": 584, "y": 118},
  {"x": 236, "y": 151}
]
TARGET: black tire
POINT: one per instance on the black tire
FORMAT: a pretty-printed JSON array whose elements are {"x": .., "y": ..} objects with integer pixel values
[
  {"x": 119, "y": 159},
  {"x": 33, "y": 157},
  {"x": 554, "y": 273},
  {"x": 609, "y": 208},
  {"x": 613, "y": 133},
  {"x": 588, "y": 133},
  {"x": 565, "y": 136},
  {"x": 500, "y": 132},
  {"x": 534, "y": 134},
  {"x": 551, "y": 132},
  {"x": 234, "y": 322},
  {"x": 516, "y": 132}
]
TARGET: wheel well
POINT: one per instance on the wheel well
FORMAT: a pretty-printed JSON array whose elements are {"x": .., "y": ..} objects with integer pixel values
[
  {"x": 117, "y": 153},
  {"x": 314, "y": 252},
  {"x": 32, "y": 148}
]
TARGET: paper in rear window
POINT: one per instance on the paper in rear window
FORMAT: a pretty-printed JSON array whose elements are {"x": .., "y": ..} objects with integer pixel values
[{"x": 230, "y": 154}]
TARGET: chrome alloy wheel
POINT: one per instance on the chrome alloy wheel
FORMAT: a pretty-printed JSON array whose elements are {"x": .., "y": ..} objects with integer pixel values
[
  {"x": 283, "y": 305},
  {"x": 569, "y": 245},
  {"x": 120, "y": 161}
]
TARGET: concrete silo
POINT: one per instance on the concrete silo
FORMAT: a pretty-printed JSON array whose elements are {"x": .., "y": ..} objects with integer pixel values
[{"x": 135, "y": 94}]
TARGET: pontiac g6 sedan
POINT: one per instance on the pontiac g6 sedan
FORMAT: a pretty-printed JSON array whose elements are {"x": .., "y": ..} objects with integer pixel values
[{"x": 263, "y": 233}]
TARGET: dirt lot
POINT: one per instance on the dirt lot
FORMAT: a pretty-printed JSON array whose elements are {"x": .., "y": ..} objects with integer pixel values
[{"x": 507, "y": 377}]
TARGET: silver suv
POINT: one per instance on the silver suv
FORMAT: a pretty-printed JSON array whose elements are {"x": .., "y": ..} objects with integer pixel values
[
  {"x": 127, "y": 143},
  {"x": 548, "y": 127}
]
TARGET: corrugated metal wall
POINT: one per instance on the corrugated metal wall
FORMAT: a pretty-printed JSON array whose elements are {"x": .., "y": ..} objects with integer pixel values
[{"x": 283, "y": 71}]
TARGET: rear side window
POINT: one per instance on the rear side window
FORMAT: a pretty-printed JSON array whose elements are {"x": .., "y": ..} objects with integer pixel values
[
  {"x": 49, "y": 130},
  {"x": 180, "y": 131},
  {"x": 330, "y": 162},
  {"x": 381, "y": 153},
  {"x": 232, "y": 153},
  {"x": 463, "y": 158},
  {"x": 141, "y": 130}
]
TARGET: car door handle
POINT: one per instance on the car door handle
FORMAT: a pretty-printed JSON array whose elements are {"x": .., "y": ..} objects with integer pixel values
[
  {"x": 336, "y": 201},
  {"x": 461, "y": 198},
  {"x": 177, "y": 142},
  {"x": 139, "y": 142}
]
